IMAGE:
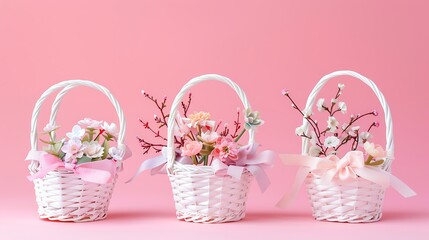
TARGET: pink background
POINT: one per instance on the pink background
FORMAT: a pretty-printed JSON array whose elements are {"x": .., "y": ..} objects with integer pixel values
[{"x": 264, "y": 46}]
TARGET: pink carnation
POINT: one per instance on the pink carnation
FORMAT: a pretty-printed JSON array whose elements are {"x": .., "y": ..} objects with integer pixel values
[
  {"x": 191, "y": 148},
  {"x": 225, "y": 148}
]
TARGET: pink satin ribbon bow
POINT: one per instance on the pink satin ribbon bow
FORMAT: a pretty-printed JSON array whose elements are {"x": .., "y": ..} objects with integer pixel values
[
  {"x": 100, "y": 172},
  {"x": 331, "y": 168},
  {"x": 247, "y": 159}
]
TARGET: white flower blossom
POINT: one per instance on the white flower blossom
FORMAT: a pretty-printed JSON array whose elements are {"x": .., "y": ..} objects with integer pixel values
[
  {"x": 341, "y": 86},
  {"x": 332, "y": 124},
  {"x": 300, "y": 130},
  {"x": 89, "y": 123},
  {"x": 343, "y": 107},
  {"x": 320, "y": 105},
  {"x": 50, "y": 128},
  {"x": 209, "y": 137},
  {"x": 334, "y": 100},
  {"x": 77, "y": 132},
  {"x": 331, "y": 141},
  {"x": 116, "y": 153},
  {"x": 93, "y": 149},
  {"x": 112, "y": 129},
  {"x": 364, "y": 136}
]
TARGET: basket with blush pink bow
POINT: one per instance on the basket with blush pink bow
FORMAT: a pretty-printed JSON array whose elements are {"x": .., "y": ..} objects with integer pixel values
[
  {"x": 345, "y": 172},
  {"x": 74, "y": 175},
  {"x": 210, "y": 170}
]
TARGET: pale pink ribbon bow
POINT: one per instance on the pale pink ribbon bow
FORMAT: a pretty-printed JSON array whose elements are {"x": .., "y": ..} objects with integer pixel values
[
  {"x": 100, "y": 172},
  {"x": 249, "y": 160},
  {"x": 351, "y": 166}
]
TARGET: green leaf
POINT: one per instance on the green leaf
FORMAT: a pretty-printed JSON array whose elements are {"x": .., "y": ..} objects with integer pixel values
[
  {"x": 48, "y": 142},
  {"x": 84, "y": 159},
  {"x": 106, "y": 149}
]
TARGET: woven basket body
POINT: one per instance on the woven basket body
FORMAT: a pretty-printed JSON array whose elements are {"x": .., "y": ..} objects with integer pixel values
[
  {"x": 200, "y": 195},
  {"x": 357, "y": 200},
  {"x": 62, "y": 195}
]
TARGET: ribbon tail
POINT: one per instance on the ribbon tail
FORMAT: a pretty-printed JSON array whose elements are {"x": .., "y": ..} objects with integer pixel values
[
  {"x": 149, "y": 164},
  {"x": 299, "y": 180},
  {"x": 401, "y": 187},
  {"x": 261, "y": 177}
]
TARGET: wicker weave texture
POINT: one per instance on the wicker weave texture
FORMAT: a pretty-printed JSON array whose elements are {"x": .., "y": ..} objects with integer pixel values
[
  {"x": 203, "y": 197},
  {"x": 353, "y": 201},
  {"x": 63, "y": 196}
]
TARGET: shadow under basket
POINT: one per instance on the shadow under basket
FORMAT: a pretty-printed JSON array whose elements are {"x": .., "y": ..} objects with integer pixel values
[
  {"x": 63, "y": 196},
  {"x": 358, "y": 200},
  {"x": 201, "y": 196}
]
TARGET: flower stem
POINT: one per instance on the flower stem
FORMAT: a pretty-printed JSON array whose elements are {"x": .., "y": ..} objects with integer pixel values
[{"x": 240, "y": 135}]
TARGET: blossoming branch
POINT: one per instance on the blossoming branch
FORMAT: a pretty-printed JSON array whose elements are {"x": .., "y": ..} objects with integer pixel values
[
  {"x": 328, "y": 140},
  {"x": 197, "y": 135}
]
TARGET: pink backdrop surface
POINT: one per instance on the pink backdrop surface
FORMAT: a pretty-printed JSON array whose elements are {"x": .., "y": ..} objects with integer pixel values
[{"x": 264, "y": 46}]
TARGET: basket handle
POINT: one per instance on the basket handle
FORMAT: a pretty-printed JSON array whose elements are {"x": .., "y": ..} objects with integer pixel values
[
  {"x": 67, "y": 86},
  {"x": 388, "y": 117},
  {"x": 171, "y": 154}
]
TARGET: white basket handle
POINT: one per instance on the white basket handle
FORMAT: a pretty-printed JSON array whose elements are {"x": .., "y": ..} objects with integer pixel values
[
  {"x": 171, "y": 155},
  {"x": 68, "y": 85},
  {"x": 388, "y": 117}
]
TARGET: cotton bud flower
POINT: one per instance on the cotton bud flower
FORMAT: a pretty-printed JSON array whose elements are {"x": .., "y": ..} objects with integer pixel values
[
  {"x": 300, "y": 130},
  {"x": 332, "y": 124},
  {"x": 331, "y": 141},
  {"x": 334, "y": 100},
  {"x": 143, "y": 92},
  {"x": 343, "y": 107},
  {"x": 376, "y": 124},
  {"x": 285, "y": 92},
  {"x": 375, "y": 113},
  {"x": 320, "y": 105},
  {"x": 341, "y": 86}
]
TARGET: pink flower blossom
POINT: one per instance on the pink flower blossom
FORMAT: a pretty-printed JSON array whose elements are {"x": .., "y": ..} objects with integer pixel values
[
  {"x": 73, "y": 150},
  {"x": 191, "y": 148},
  {"x": 180, "y": 128},
  {"x": 201, "y": 119},
  {"x": 225, "y": 148}
]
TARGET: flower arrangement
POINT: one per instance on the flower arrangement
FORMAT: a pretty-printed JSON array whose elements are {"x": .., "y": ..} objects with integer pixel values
[
  {"x": 327, "y": 141},
  {"x": 88, "y": 141},
  {"x": 197, "y": 136}
]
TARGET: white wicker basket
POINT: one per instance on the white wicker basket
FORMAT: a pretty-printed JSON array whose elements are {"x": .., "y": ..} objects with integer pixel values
[
  {"x": 356, "y": 201},
  {"x": 200, "y": 195},
  {"x": 61, "y": 194}
]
